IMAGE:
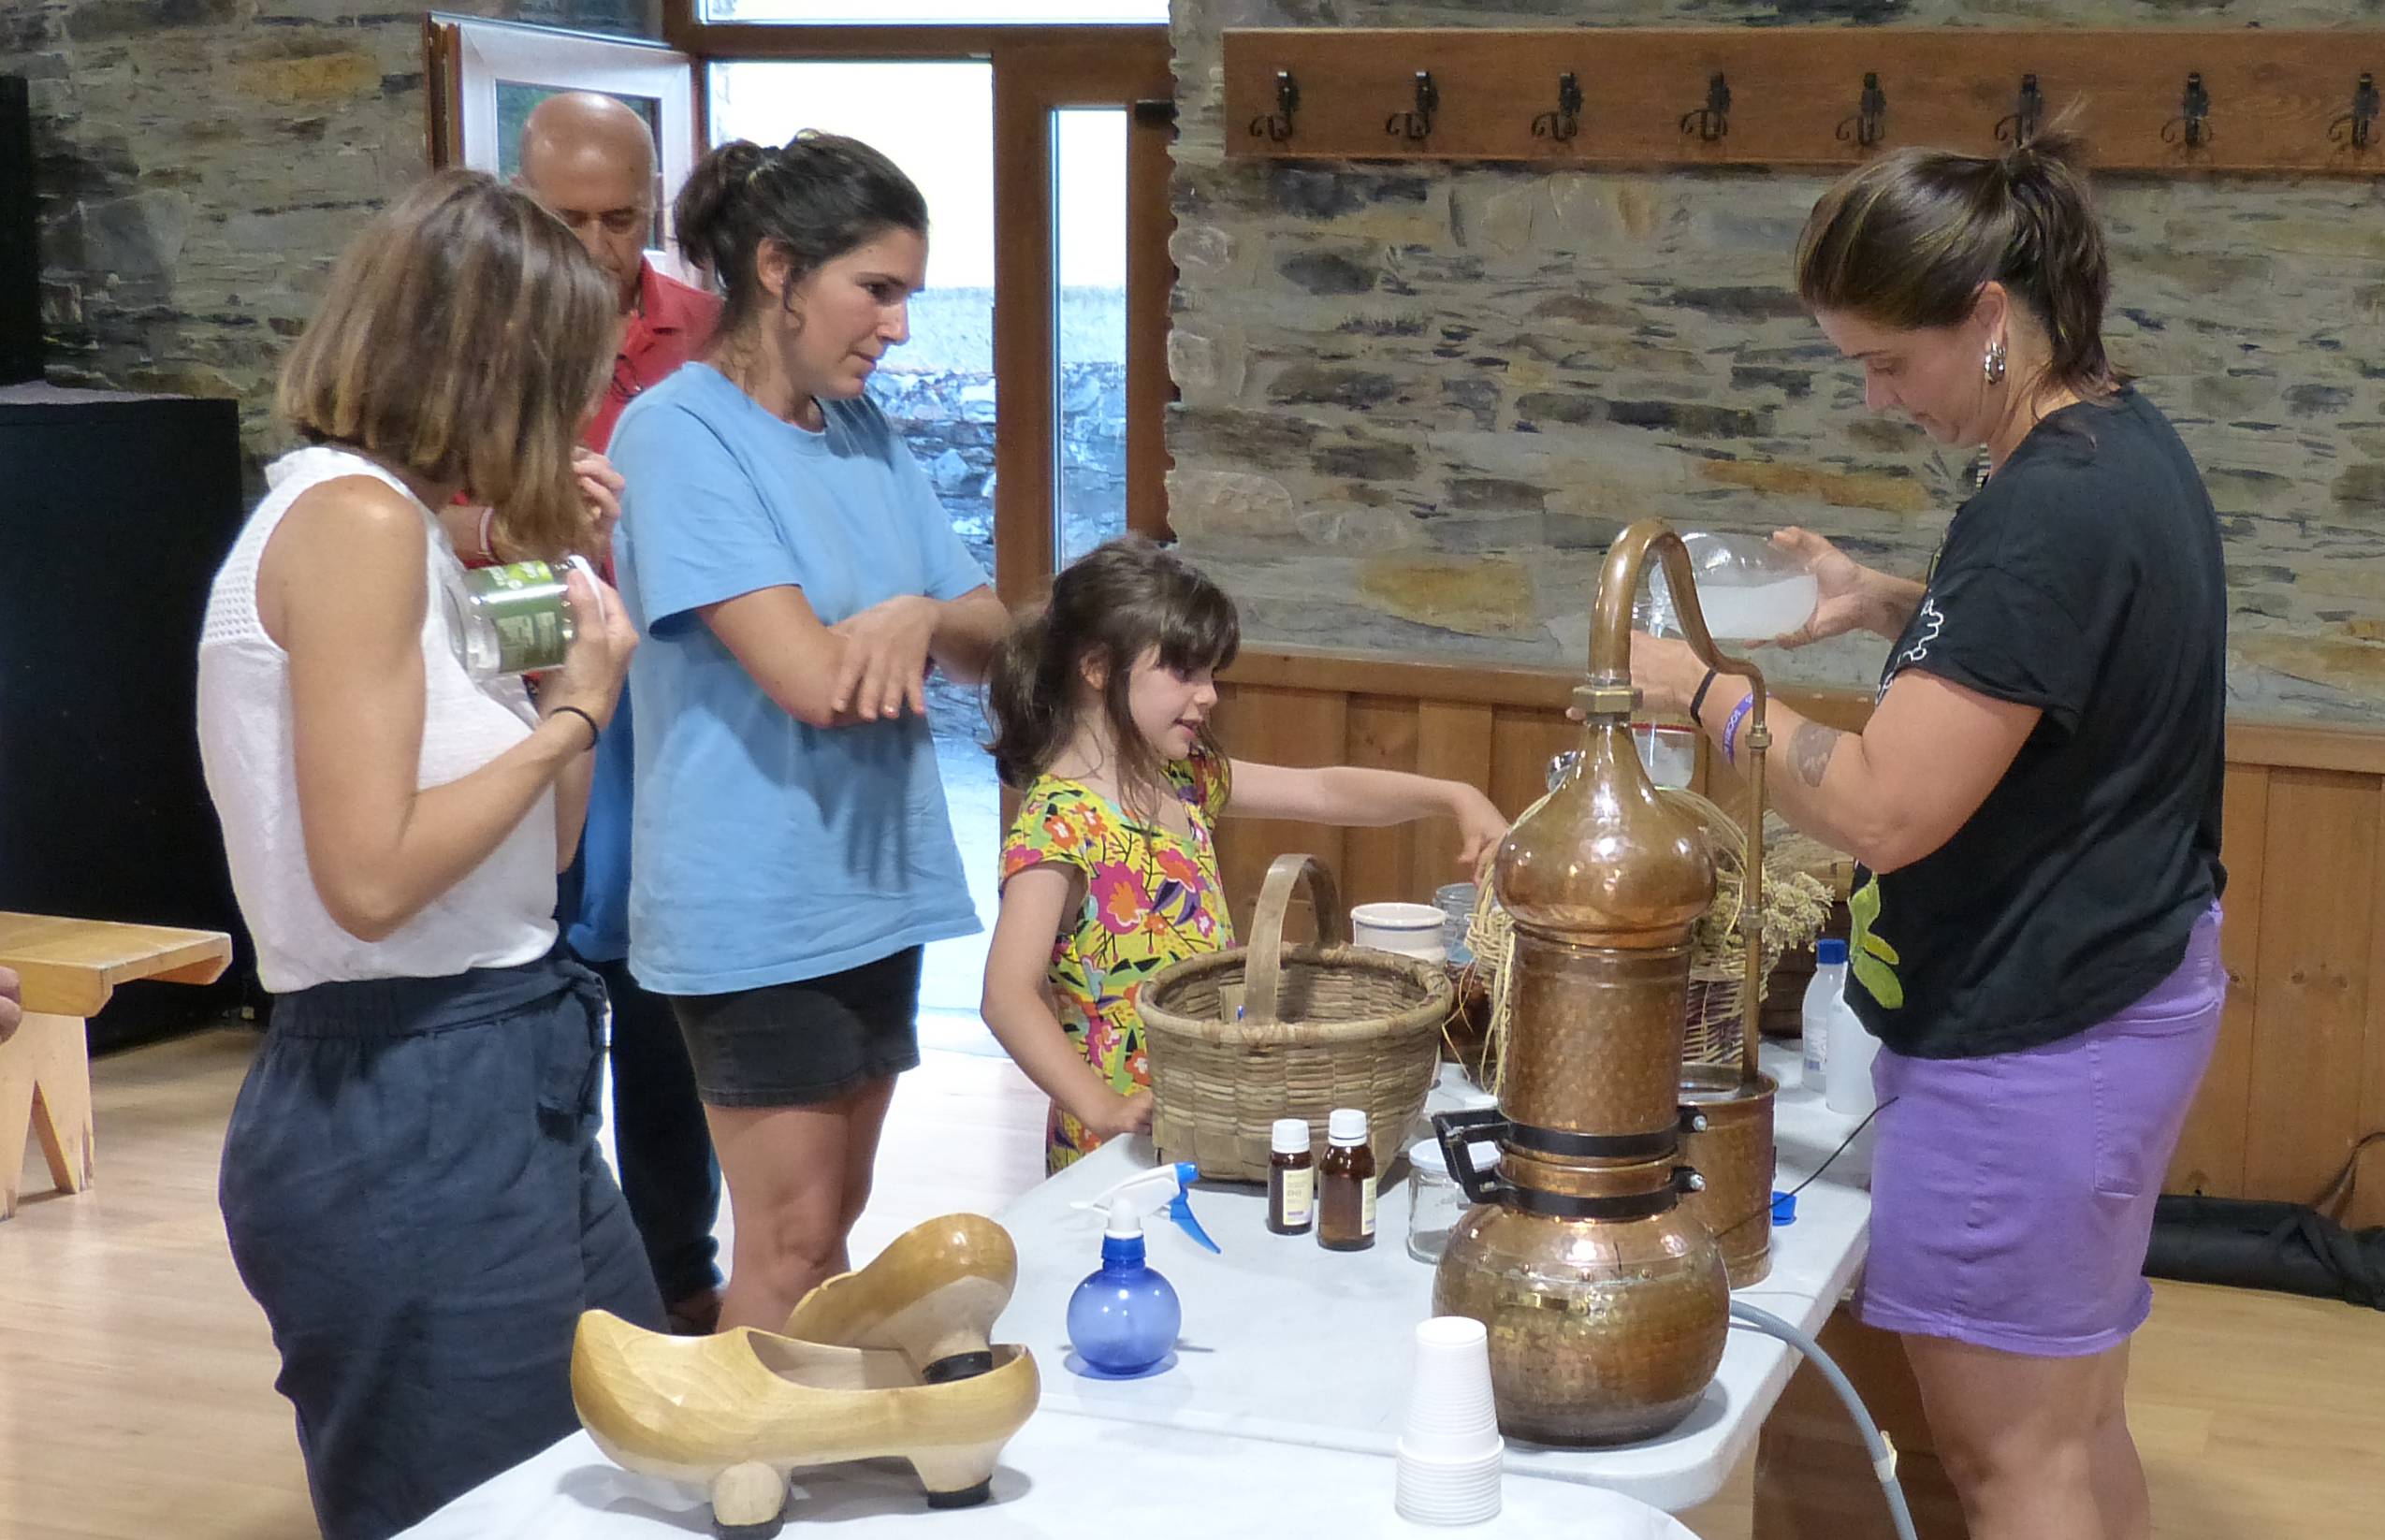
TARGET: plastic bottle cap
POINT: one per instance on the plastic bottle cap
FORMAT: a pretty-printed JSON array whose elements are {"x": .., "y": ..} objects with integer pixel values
[
  {"x": 1830, "y": 951},
  {"x": 1426, "y": 1156},
  {"x": 1347, "y": 1125},
  {"x": 1291, "y": 1136},
  {"x": 1126, "y": 1220}
]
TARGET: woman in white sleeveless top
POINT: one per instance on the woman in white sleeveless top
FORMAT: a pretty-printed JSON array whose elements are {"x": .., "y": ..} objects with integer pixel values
[{"x": 410, "y": 1181}]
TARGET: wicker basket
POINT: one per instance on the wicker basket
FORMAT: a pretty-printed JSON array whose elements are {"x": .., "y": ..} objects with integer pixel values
[{"x": 1319, "y": 1026}]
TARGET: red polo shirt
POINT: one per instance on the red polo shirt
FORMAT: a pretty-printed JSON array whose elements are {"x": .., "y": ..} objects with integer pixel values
[{"x": 672, "y": 323}]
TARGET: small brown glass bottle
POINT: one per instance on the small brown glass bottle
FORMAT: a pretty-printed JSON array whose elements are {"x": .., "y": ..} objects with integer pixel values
[
  {"x": 1291, "y": 1178},
  {"x": 1345, "y": 1184}
]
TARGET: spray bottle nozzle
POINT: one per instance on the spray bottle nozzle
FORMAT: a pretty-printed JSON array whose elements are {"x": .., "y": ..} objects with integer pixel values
[{"x": 1146, "y": 1192}]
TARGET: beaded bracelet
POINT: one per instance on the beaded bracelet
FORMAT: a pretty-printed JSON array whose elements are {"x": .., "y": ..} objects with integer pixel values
[{"x": 1731, "y": 731}]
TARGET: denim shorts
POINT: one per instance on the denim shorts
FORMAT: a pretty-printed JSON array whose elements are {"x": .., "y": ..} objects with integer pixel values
[{"x": 808, "y": 1041}]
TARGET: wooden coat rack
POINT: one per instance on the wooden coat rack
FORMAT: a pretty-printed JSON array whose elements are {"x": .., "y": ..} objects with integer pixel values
[{"x": 2153, "y": 99}]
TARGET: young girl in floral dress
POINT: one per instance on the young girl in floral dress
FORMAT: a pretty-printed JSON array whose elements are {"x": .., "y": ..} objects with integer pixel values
[{"x": 1100, "y": 710}]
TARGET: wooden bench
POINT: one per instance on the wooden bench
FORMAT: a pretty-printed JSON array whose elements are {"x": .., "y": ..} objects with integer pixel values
[{"x": 68, "y": 969}]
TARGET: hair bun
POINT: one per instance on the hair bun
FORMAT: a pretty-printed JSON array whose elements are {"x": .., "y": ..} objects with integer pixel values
[
  {"x": 706, "y": 211},
  {"x": 2059, "y": 148}
]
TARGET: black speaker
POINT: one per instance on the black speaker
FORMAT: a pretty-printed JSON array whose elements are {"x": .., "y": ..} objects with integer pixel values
[
  {"x": 114, "y": 514},
  {"x": 19, "y": 253}
]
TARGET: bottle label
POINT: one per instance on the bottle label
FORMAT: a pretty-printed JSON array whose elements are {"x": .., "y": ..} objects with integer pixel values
[
  {"x": 519, "y": 614},
  {"x": 1366, "y": 1205},
  {"x": 1300, "y": 1196}
]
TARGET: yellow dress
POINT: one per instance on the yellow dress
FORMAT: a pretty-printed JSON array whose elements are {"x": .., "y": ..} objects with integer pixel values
[{"x": 1151, "y": 899}]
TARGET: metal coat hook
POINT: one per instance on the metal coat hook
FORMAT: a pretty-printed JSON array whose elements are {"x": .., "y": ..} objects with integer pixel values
[
  {"x": 2020, "y": 124},
  {"x": 1417, "y": 123},
  {"x": 1870, "y": 124},
  {"x": 1277, "y": 125},
  {"x": 1565, "y": 121},
  {"x": 2357, "y": 129},
  {"x": 1712, "y": 121},
  {"x": 2192, "y": 126}
]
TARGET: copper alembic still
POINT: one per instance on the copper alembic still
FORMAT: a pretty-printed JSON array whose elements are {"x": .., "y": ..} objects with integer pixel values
[{"x": 1592, "y": 1252}]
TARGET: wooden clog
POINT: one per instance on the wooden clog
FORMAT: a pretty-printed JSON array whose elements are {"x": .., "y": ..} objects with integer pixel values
[
  {"x": 932, "y": 1295},
  {"x": 736, "y": 1412}
]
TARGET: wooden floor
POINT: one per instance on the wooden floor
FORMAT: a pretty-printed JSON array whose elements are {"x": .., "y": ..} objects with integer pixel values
[{"x": 135, "y": 1376}]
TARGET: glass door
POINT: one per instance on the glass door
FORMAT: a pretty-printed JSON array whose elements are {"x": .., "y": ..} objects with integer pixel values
[{"x": 1089, "y": 328}]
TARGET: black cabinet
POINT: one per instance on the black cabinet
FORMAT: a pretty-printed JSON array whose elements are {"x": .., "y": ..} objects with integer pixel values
[{"x": 114, "y": 514}]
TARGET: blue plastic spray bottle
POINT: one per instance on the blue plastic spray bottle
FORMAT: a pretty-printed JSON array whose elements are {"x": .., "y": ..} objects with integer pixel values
[{"x": 1124, "y": 1319}]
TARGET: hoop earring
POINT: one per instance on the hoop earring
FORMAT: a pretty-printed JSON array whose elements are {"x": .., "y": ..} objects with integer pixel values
[{"x": 1992, "y": 362}]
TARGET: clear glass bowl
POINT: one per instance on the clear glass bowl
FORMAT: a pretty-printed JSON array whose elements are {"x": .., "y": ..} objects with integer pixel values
[{"x": 1748, "y": 588}]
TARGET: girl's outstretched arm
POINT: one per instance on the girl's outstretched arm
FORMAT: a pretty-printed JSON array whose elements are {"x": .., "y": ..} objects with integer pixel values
[
  {"x": 1019, "y": 1011},
  {"x": 1366, "y": 799}
]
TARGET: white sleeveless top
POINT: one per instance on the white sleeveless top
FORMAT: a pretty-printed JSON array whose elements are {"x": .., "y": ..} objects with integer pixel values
[{"x": 501, "y": 914}]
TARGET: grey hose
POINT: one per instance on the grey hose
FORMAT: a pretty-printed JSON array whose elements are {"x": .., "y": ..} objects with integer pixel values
[{"x": 1883, "y": 1460}]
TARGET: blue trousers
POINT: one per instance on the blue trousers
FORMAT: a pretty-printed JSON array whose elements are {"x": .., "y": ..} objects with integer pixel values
[{"x": 413, "y": 1191}]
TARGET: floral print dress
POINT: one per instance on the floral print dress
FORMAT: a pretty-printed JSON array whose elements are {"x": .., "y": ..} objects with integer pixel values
[{"x": 1151, "y": 899}]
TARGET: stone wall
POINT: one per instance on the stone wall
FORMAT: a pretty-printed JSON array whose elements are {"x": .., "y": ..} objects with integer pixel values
[
  {"x": 202, "y": 162},
  {"x": 946, "y": 417},
  {"x": 1418, "y": 401}
]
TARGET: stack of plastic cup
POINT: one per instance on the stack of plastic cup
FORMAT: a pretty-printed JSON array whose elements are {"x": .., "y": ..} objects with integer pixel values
[{"x": 1450, "y": 1450}]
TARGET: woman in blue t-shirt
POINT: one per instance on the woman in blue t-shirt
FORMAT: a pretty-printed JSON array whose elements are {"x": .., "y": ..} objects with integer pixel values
[
  {"x": 794, "y": 577},
  {"x": 2035, "y": 806}
]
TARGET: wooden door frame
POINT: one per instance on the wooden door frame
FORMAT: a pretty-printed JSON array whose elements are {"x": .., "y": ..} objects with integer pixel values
[{"x": 1032, "y": 80}]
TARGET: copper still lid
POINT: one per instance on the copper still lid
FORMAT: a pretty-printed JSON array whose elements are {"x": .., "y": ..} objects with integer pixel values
[{"x": 1603, "y": 860}]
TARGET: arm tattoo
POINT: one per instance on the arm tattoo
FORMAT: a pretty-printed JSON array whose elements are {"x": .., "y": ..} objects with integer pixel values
[{"x": 1809, "y": 749}]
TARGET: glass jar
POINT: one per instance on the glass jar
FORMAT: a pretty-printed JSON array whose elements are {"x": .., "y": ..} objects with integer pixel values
[
  {"x": 515, "y": 619},
  {"x": 1456, "y": 901},
  {"x": 1436, "y": 1202}
]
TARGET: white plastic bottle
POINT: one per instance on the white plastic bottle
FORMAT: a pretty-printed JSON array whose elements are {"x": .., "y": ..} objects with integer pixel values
[
  {"x": 1825, "y": 996},
  {"x": 1851, "y": 1050}
]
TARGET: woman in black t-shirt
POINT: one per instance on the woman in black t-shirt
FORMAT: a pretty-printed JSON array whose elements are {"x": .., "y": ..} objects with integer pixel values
[{"x": 2035, "y": 806}]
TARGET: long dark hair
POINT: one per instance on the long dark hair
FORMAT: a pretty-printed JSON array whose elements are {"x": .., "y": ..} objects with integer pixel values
[
  {"x": 1121, "y": 600},
  {"x": 819, "y": 196},
  {"x": 1908, "y": 241}
]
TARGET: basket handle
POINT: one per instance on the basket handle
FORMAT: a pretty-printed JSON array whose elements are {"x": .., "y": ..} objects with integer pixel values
[{"x": 1263, "y": 968}]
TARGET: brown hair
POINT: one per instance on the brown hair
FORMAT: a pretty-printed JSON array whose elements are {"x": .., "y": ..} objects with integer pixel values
[
  {"x": 464, "y": 336},
  {"x": 819, "y": 196},
  {"x": 1908, "y": 241},
  {"x": 1119, "y": 600}
]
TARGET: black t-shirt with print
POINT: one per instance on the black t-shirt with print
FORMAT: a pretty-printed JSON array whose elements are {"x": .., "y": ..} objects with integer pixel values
[{"x": 2085, "y": 579}]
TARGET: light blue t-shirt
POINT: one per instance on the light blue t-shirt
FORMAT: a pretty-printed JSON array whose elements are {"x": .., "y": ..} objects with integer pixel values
[{"x": 765, "y": 852}]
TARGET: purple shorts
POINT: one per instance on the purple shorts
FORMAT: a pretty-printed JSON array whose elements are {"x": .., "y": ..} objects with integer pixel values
[{"x": 2011, "y": 1196}]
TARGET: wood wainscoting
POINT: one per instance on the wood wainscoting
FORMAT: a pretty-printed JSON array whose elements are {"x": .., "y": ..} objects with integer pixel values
[{"x": 2300, "y": 1071}]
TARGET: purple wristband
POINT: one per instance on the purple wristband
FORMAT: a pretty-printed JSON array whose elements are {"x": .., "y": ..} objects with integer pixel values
[{"x": 1731, "y": 728}]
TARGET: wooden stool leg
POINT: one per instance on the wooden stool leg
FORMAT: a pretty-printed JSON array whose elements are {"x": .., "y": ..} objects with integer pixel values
[{"x": 45, "y": 1083}]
